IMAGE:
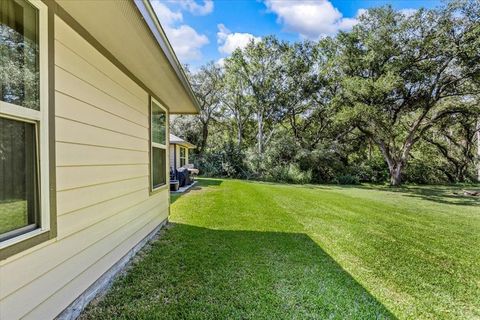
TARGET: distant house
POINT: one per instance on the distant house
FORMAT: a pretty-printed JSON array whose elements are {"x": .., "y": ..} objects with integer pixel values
[
  {"x": 179, "y": 152},
  {"x": 84, "y": 151}
]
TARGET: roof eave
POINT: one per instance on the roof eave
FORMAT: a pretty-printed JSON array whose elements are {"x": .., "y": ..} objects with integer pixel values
[
  {"x": 184, "y": 144},
  {"x": 147, "y": 12}
]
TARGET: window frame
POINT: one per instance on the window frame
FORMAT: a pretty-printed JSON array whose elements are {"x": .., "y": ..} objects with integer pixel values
[
  {"x": 153, "y": 188},
  {"x": 41, "y": 120},
  {"x": 184, "y": 158}
]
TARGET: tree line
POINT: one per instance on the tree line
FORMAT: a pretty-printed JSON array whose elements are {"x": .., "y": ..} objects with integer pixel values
[{"x": 395, "y": 99}]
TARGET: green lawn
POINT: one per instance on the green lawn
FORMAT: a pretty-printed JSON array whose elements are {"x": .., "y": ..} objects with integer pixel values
[
  {"x": 12, "y": 215},
  {"x": 247, "y": 250}
]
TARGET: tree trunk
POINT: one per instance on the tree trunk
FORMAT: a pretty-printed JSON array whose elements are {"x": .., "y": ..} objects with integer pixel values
[
  {"x": 240, "y": 137},
  {"x": 449, "y": 176},
  {"x": 396, "y": 174},
  {"x": 395, "y": 167},
  {"x": 478, "y": 150},
  {"x": 239, "y": 133},
  {"x": 204, "y": 138},
  {"x": 461, "y": 176},
  {"x": 370, "y": 151},
  {"x": 260, "y": 134}
]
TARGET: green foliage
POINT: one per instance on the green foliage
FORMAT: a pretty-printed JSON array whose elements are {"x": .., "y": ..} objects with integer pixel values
[
  {"x": 227, "y": 161},
  {"x": 289, "y": 173},
  {"x": 348, "y": 179},
  {"x": 19, "y": 74},
  {"x": 398, "y": 73},
  {"x": 394, "y": 100}
]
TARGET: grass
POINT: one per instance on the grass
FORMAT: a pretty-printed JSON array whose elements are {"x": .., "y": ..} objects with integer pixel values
[
  {"x": 13, "y": 215},
  {"x": 248, "y": 250}
]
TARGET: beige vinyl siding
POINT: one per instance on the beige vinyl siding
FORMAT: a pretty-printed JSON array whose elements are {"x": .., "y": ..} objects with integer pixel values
[
  {"x": 74, "y": 87},
  {"x": 68, "y": 107},
  {"x": 79, "y": 198},
  {"x": 177, "y": 150},
  {"x": 71, "y": 131},
  {"x": 77, "y": 177},
  {"x": 69, "y": 292},
  {"x": 104, "y": 206},
  {"x": 172, "y": 156}
]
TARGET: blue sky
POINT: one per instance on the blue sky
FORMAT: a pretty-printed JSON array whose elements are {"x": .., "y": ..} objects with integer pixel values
[{"x": 205, "y": 30}]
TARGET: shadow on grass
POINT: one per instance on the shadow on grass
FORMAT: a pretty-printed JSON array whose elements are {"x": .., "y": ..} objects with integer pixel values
[
  {"x": 440, "y": 194},
  {"x": 443, "y": 194},
  {"x": 202, "y": 183},
  {"x": 199, "y": 273},
  {"x": 207, "y": 182}
]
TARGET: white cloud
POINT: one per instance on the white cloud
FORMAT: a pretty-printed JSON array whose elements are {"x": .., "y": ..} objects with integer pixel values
[
  {"x": 166, "y": 16},
  {"x": 220, "y": 62},
  {"x": 229, "y": 41},
  {"x": 408, "y": 11},
  {"x": 361, "y": 12},
  {"x": 185, "y": 40},
  {"x": 347, "y": 23},
  {"x": 197, "y": 9},
  {"x": 311, "y": 19}
]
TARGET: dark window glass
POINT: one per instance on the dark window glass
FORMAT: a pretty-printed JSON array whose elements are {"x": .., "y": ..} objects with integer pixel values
[
  {"x": 159, "y": 119},
  {"x": 18, "y": 178},
  {"x": 159, "y": 170},
  {"x": 19, "y": 70}
]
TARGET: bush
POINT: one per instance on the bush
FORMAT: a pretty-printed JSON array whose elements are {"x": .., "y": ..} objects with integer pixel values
[
  {"x": 347, "y": 179},
  {"x": 321, "y": 163},
  {"x": 290, "y": 173},
  {"x": 297, "y": 176},
  {"x": 226, "y": 162},
  {"x": 423, "y": 172}
]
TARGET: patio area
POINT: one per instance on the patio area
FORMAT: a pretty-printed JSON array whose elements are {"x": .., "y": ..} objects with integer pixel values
[{"x": 185, "y": 188}]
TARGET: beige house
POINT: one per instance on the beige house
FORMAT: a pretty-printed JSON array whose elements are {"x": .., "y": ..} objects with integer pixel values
[
  {"x": 84, "y": 155},
  {"x": 179, "y": 152}
]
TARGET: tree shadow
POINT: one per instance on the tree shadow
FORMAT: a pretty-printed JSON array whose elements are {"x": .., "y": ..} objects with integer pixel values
[
  {"x": 198, "y": 273},
  {"x": 441, "y": 194},
  {"x": 208, "y": 182},
  {"x": 444, "y": 194}
]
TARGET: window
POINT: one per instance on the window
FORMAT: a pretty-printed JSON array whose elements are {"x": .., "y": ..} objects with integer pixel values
[
  {"x": 159, "y": 145},
  {"x": 18, "y": 176},
  {"x": 183, "y": 156},
  {"x": 24, "y": 179}
]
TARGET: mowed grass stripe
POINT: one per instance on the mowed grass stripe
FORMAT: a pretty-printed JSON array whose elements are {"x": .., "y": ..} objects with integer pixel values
[{"x": 249, "y": 250}]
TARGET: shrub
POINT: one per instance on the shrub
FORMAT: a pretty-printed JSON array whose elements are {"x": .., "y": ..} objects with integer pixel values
[
  {"x": 227, "y": 161},
  {"x": 297, "y": 176},
  {"x": 347, "y": 179},
  {"x": 290, "y": 173}
]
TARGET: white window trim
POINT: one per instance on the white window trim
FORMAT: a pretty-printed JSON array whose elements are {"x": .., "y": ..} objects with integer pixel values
[
  {"x": 40, "y": 118},
  {"x": 185, "y": 155},
  {"x": 159, "y": 145}
]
